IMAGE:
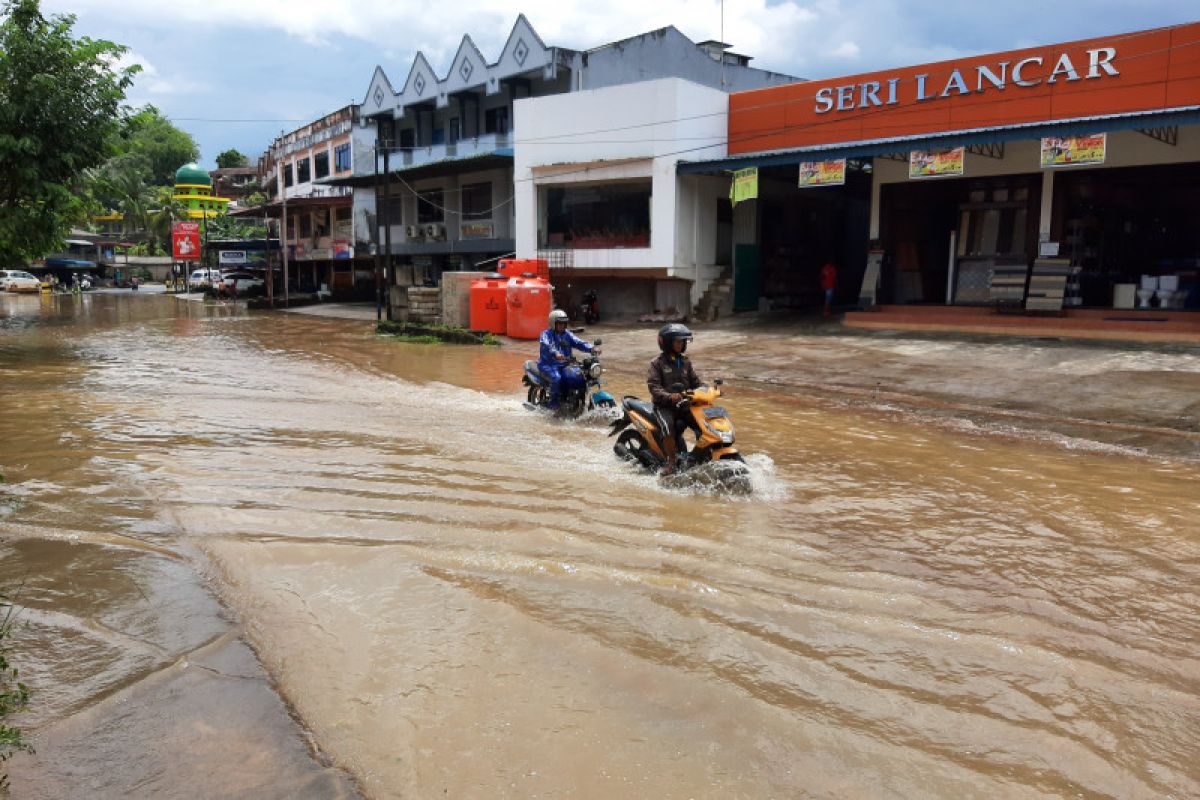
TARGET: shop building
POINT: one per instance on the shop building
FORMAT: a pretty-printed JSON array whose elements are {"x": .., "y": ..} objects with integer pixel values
[
  {"x": 621, "y": 221},
  {"x": 317, "y": 219},
  {"x": 439, "y": 193},
  {"x": 1060, "y": 178}
]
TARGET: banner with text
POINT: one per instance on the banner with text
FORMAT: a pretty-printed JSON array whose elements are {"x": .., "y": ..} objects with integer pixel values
[
  {"x": 744, "y": 186},
  {"x": 936, "y": 163},
  {"x": 1070, "y": 151},
  {"x": 823, "y": 173}
]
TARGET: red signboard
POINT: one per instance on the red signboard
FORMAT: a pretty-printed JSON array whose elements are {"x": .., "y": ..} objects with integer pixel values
[
  {"x": 185, "y": 241},
  {"x": 1145, "y": 71}
]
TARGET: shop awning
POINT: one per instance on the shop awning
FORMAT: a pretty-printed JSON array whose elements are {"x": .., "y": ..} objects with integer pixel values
[{"x": 1002, "y": 133}]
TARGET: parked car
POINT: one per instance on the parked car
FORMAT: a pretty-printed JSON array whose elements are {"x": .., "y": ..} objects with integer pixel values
[
  {"x": 18, "y": 280},
  {"x": 204, "y": 277},
  {"x": 243, "y": 282}
]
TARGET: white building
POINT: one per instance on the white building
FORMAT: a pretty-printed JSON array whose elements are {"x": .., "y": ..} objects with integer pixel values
[{"x": 597, "y": 192}]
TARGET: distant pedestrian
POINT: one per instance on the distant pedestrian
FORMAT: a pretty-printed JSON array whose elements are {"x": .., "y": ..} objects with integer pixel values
[{"x": 828, "y": 283}]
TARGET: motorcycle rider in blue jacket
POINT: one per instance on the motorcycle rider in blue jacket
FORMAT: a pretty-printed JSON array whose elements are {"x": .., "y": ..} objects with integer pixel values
[{"x": 555, "y": 350}]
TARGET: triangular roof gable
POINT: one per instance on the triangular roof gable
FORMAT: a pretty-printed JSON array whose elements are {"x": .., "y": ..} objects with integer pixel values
[
  {"x": 468, "y": 68},
  {"x": 422, "y": 82},
  {"x": 380, "y": 95},
  {"x": 523, "y": 50}
]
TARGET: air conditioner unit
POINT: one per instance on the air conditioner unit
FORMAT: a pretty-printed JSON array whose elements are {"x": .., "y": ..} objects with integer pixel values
[
  {"x": 434, "y": 231},
  {"x": 413, "y": 231}
]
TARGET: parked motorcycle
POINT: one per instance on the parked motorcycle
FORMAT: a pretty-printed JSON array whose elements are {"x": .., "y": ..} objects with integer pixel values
[
  {"x": 713, "y": 462},
  {"x": 591, "y": 307},
  {"x": 580, "y": 387}
]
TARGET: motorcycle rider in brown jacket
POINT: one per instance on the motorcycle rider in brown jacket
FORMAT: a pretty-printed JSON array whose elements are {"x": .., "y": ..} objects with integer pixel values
[{"x": 668, "y": 377}]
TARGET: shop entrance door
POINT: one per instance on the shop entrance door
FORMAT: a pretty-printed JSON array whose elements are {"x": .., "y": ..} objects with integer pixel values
[{"x": 747, "y": 277}]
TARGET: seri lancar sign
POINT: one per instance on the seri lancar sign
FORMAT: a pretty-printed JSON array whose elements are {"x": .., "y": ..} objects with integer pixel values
[{"x": 1027, "y": 72}]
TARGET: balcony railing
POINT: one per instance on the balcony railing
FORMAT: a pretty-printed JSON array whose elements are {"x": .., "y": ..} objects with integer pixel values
[{"x": 463, "y": 148}]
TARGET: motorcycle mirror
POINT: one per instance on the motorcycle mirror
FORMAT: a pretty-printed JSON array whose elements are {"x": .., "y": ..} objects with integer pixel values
[
  {"x": 718, "y": 382},
  {"x": 598, "y": 342}
]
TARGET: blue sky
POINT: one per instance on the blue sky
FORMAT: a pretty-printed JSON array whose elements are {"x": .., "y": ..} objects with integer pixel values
[{"x": 235, "y": 73}]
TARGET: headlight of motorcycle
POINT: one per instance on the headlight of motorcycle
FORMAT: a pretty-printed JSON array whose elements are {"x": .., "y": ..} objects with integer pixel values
[{"x": 595, "y": 370}]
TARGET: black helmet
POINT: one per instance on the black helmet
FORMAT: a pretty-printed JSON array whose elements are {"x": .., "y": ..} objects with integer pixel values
[{"x": 669, "y": 334}]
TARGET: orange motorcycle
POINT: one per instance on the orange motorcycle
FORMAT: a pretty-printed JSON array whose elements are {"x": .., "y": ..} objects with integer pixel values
[{"x": 713, "y": 461}]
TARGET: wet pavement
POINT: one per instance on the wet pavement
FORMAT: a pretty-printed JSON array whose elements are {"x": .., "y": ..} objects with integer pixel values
[{"x": 274, "y": 555}]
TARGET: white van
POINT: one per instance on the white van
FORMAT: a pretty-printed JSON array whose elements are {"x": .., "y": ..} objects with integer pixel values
[{"x": 204, "y": 278}]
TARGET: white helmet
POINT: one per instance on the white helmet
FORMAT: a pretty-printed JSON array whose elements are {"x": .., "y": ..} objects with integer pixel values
[{"x": 558, "y": 315}]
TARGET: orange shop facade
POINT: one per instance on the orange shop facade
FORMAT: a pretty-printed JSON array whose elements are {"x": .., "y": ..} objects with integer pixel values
[{"x": 960, "y": 182}]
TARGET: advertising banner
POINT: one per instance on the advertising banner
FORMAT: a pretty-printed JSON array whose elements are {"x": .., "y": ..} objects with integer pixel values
[
  {"x": 936, "y": 163},
  {"x": 185, "y": 241},
  {"x": 342, "y": 249},
  {"x": 232, "y": 257},
  {"x": 1070, "y": 151},
  {"x": 744, "y": 186},
  {"x": 823, "y": 173}
]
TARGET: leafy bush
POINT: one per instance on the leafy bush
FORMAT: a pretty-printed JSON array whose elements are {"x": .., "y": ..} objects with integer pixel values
[{"x": 13, "y": 694}]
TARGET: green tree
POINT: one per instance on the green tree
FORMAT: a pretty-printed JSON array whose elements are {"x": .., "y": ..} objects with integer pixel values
[
  {"x": 160, "y": 146},
  {"x": 226, "y": 227},
  {"x": 232, "y": 158},
  {"x": 60, "y": 105}
]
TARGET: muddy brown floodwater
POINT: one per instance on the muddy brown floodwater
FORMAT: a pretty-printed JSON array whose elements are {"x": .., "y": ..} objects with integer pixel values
[{"x": 270, "y": 555}]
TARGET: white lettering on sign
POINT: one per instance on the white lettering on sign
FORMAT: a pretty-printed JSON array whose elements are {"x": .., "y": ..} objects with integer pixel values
[
  {"x": 1027, "y": 73},
  {"x": 983, "y": 73},
  {"x": 1101, "y": 59},
  {"x": 955, "y": 84},
  {"x": 1063, "y": 67},
  {"x": 1021, "y": 66},
  {"x": 824, "y": 99}
]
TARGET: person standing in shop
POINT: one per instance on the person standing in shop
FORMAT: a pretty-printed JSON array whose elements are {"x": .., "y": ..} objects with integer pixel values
[{"x": 828, "y": 284}]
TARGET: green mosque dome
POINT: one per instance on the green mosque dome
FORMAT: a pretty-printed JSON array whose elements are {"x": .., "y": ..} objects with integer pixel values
[{"x": 193, "y": 174}]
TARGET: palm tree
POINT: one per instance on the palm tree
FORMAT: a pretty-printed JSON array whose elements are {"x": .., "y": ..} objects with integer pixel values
[{"x": 164, "y": 210}]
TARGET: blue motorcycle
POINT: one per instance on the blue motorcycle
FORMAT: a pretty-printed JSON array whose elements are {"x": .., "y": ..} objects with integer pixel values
[{"x": 581, "y": 386}]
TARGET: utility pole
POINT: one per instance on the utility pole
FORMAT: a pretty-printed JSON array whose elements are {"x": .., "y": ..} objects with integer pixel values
[
  {"x": 379, "y": 218},
  {"x": 283, "y": 245},
  {"x": 390, "y": 276}
]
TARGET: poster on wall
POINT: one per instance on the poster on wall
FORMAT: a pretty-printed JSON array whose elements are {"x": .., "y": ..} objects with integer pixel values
[
  {"x": 1070, "y": 151},
  {"x": 823, "y": 173},
  {"x": 936, "y": 163},
  {"x": 744, "y": 186}
]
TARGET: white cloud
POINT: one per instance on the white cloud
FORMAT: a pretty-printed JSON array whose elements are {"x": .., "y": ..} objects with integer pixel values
[
  {"x": 845, "y": 50},
  {"x": 784, "y": 35}
]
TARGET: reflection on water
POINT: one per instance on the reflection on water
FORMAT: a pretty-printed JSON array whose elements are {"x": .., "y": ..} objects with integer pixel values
[{"x": 460, "y": 598}]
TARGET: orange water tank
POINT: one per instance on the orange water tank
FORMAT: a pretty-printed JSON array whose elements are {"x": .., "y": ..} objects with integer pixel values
[
  {"x": 529, "y": 304},
  {"x": 516, "y": 267},
  {"x": 489, "y": 304}
]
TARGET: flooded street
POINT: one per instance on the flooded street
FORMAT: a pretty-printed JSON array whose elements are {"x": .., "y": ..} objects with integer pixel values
[{"x": 449, "y": 596}]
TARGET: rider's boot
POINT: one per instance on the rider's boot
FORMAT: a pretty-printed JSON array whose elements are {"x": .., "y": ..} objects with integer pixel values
[{"x": 669, "y": 449}]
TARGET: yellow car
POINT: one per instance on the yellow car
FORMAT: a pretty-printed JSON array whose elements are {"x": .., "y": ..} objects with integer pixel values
[{"x": 16, "y": 280}]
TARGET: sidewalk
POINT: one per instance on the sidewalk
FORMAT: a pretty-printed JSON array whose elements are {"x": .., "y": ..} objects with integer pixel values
[{"x": 336, "y": 310}]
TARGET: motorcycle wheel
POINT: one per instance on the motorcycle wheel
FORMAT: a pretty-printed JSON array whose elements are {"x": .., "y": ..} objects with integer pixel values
[
  {"x": 631, "y": 446},
  {"x": 535, "y": 396}
]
